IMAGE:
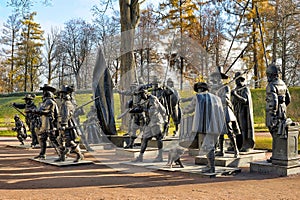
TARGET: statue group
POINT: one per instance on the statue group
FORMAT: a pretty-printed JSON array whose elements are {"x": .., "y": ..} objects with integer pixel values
[
  {"x": 53, "y": 119},
  {"x": 216, "y": 109}
]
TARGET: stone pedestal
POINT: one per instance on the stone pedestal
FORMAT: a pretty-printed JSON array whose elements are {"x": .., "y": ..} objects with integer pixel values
[
  {"x": 285, "y": 160},
  {"x": 285, "y": 150},
  {"x": 117, "y": 140},
  {"x": 228, "y": 160}
]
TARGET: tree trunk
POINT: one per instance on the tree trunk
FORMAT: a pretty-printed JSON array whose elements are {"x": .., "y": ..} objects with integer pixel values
[{"x": 129, "y": 10}]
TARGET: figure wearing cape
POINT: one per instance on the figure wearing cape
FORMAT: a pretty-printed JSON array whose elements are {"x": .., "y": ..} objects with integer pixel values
[
  {"x": 102, "y": 87},
  {"x": 208, "y": 119}
]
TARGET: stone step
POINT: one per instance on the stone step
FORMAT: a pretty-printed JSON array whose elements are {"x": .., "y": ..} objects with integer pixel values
[
  {"x": 228, "y": 159},
  {"x": 133, "y": 153},
  {"x": 102, "y": 146}
]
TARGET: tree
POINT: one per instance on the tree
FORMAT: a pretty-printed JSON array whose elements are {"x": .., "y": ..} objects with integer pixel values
[
  {"x": 29, "y": 51},
  {"x": 285, "y": 26},
  {"x": 10, "y": 37},
  {"x": 52, "y": 55},
  {"x": 180, "y": 15},
  {"x": 77, "y": 40}
]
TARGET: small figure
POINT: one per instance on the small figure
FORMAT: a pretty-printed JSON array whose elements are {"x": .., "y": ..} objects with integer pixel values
[
  {"x": 32, "y": 120},
  {"x": 174, "y": 156},
  {"x": 173, "y": 104},
  {"x": 223, "y": 91},
  {"x": 277, "y": 99},
  {"x": 20, "y": 129},
  {"x": 243, "y": 109},
  {"x": 67, "y": 126},
  {"x": 48, "y": 112},
  {"x": 155, "y": 119},
  {"x": 208, "y": 121},
  {"x": 91, "y": 127}
]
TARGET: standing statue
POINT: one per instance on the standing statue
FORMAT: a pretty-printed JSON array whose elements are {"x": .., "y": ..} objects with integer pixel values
[
  {"x": 91, "y": 127},
  {"x": 208, "y": 121},
  {"x": 243, "y": 109},
  {"x": 20, "y": 129},
  {"x": 67, "y": 126},
  {"x": 155, "y": 119},
  {"x": 277, "y": 99},
  {"x": 136, "y": 120},
  {"x": 173, "y": 104},
  {"x": 49, "y": 118},
  {"x": 223, "y": 91},
  {"x": 32, "y": 120}
]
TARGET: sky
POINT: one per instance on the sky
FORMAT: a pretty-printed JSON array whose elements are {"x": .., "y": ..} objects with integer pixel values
[{"x": 56, "y": 14}]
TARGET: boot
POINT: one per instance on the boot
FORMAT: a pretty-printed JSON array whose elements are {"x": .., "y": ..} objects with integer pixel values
[
  {"x": 139, "y": 158},
  {"x": 236, "y": 151},
  {"x": 159, "y": 157},
  {"x": 131, "y": 142},
  {"x": 211, "y": 162},
  {"x": 62, "y": 156},
  {"x": 40, "y": 157},
  {"x": 221, "y": 145},
  {"x": 79, "y": 155}
]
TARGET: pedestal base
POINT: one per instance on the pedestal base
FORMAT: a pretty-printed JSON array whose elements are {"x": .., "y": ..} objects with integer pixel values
[
  {"x": 228, "y": 159},
  {"x": 263, "y": 167}
]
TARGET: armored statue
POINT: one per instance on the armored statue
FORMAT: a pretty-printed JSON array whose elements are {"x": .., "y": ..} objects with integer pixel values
[
  {"x": 48, "y": 112},
  {"x": 223, "y": 91},
  {"x": 20, "y": 129},
  {"x": 67, "y": 125},
  {"x": 208, "y": 121},
  {"x": 32, "y": 120},
  {"x": 173, "y": 105},
  {"x": 277, "y": 99},
  {"x": 243, "y": 109},
  {"x": 155, "y": 119},
  {"x": 136, "y": 120}
]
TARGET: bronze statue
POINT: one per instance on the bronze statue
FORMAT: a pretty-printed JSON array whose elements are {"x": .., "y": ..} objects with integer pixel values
[
  {"x": 223, "y": 91},
  {"x": 32, "y": 120},
  {"x": 208, "y": 121},
  {"x": 20, "y": 129},
  {"x": 49, "y": 118},
  {"x": 155, "y": 119},
  {"x": 243, "y": 109},
  {"x": 277, "y": 99}
]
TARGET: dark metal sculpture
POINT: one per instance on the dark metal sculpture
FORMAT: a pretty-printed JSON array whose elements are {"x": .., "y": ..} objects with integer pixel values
[
  {"x": 103, "y": 88},
  {"x": 243, "y": 109}
]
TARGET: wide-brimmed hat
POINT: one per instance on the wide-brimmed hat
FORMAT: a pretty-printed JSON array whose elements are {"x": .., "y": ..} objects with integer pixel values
[
  {"x": 239, "y": 75},
  {"x": 199, "y": 85},
  {"x": 66, "y": 89},
  {"x": 48, "y": 88},
  {"x": 29, "y": 96}
]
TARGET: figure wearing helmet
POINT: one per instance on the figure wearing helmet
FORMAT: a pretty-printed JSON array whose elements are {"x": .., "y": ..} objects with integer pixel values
[
  {"x": 277, "y": 99},
  {"x": 20, "y": 129}
]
